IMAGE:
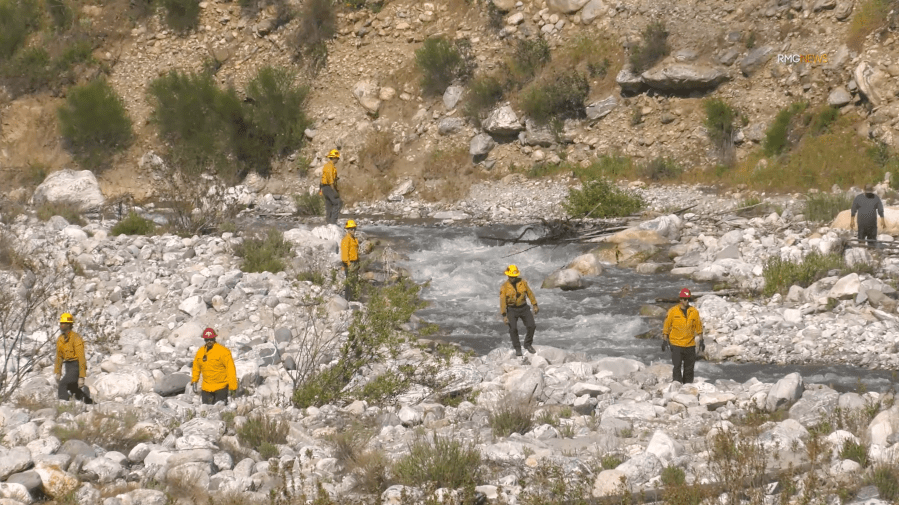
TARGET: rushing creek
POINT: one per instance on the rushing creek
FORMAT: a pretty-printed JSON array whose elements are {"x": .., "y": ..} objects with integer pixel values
[{"x": 465, "y": 272}]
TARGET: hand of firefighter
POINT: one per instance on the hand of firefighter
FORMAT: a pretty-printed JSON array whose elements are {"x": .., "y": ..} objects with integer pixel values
[
  {"x": 536, "y": 309},
  {"x": 702, "y": 346},
  {"x": 505, "y": 319},
  {"x": 664, "y": 343},
  {"x": 80, "y": 382},
  {"x": 58, "y": 377},
  {"x": 195, "y": 386}
]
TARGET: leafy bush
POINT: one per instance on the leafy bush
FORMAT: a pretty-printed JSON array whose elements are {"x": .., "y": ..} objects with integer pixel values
[
  {"x": 18, "y": 18},
  {"x": 442, "y": 61},
  {"x": 822, "y": 119},
  {"x": 776, "y": 138},
  {"x": 264, "y": 254},
  {"x": 673, "y": 476},
  {"x": 133, "y": 224},
  {"x": 824, "y": 207},
  {"x": 513, "y": 415},
  {"x": 95, "y": 123},
  {"x": 560, "y": 96},
  {"x": 68, "y": 212},
  {"x": 261, "y": 432},
  {"x": 442, "y": 463},
  {"x": 600, "y": 198},
  {"x": 318, "y": 24},
  {"x": 530, "y": 56},
  {"x": 855, "y": 451},
  {"x": 719, "y": 123},
  {"x": 780, "y": 274},
  {"x": 484, "y": 92},
  {"x": 182, "y": 15},
  {"x": 869, "y": 16},
  {"x": 610, "y": 461},
  {"x": 652, "y": 50},
  {"x": 309, "y": 204},
  {"x": 661, "y": 169}
]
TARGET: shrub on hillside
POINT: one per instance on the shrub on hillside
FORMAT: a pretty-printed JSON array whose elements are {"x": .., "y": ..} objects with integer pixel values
[
  {"x": 660, "y": 169},
  {"x": 600, "y": 198},
  {"x": 318, "y": 24},
  {"x": 265, "y": 254},
  {"x": 182, "y": 15},
  {"x": 719, "y": 123},
  {"x": 869, "y": 16},
  {"x": 531, "y": 55},
  {"x": 95, "y": 123},
  {"x": 559, "y": 97},
  {"x": 652, "y": 50},
  {"x": 484, "y": 92},
  {"x": 133, "y": 224},
  {"x": 263, "y": 433},
  {"x": 309, "y": 204},
  {"x": 60, "y": 13},
  {"x": 29, "y": 70},
  {"x": 611, "y": 166},
  {"x": 442, "y": 61},
  {"x": 441, "y": 463},
  {"x": 777, "y": 136},
  {"x": 781, "y": 274},
  {"x": 18, "y": 18},
  {"x": 820, "y": 121}
]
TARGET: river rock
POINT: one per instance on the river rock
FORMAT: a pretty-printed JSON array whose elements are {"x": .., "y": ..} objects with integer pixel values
[
  {"x": 610, "y": 483},
  {"x": 592, "y": 10},
  {"x": 30, "y": 479},
  {"x": 891, "y": 214},
  {"x": 57, "y": 483},
  {"x": 683, "y": 77},
  {"x": 76, "y": 447},
  {"x": 666, "y": 226},
  {"x": 585, "y": 264},
  {"x": 110, "y": 386},
  {"x": 367, "y": 94},
  {"x": 664, "y": 447},
  {"x": 68, "y": 187},
  {"x": 481, "y": 144},
  {"x": 194, "y": 306},
  {"x": 839, "y": 97},
  {"x": 502, "y": 122},
  {"x": 883, "y": 425},
  {"x": 641, "y": 468},
  {"x": 15, "y": 492},
  {"x": 451, "y": 96},
  {"x": 619, "y": 367},
  {"x": 13, "y": 461},
  {"x": 528, "y": 384},
  {"x": 565, "y": 279},
  {"x": 785, "y": 392},
  {"x": 104, "y": 469},
  {"x": 846, "y": 287},
  {"x": 450, "y": 125},
  {"x": 602, "y": 108},
  {"x": 816, "y": 404},
  {"x": 172, "y": 384}
]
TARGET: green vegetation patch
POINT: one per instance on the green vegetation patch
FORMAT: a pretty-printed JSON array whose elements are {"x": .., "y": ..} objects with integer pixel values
[
  {"x": 95, "y": 123},
  {"x": 264, "y": 254},
  {"x": 442, "y": 61},
  {"x": 652, "y": 50},
  {"x": 781, "y": 274},
  {"x": 134, "y": 224},
  {"x": 600, "y": 198}
]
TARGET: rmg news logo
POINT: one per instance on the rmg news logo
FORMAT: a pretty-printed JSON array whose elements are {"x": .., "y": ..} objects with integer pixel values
[{"x": 793, "y": 59}]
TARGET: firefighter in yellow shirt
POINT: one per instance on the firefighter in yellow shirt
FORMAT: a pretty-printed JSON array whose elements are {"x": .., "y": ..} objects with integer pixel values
[
  {"x": 215, "y": 363},
  {"x": 682, "y": 332},
  {"x": 70, "y": 355},
  {"x": 349, "y": 255},
  {"x": 513, "y": 306},
  {"x": 328, "y": 187}
]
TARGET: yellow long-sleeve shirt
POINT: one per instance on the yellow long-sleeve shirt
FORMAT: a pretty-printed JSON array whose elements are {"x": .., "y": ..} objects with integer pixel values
[
  {"x": 217, "y": 368},
  {"x": 514, "y": 296},
  {"x": 329, "y": 174},
  {"x": 349, "y": 248},
  {"x": 68, "y": 348},
  {"x": 681, "y": 329}
]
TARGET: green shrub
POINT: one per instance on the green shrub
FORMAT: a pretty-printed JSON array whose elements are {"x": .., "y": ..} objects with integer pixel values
[
  {"x": 751, "y": 39},
  {"x": 886, "y": 478},
  {"x": 652, "y": 50},
  {"x": 610, "y": 461},
  {"x": 514, "y": 415},
  {"x": 68, "y": 212},
  {"x": 824, "y": 207},
  {"x": 441, "y": 463},
  {"x": 855, "y": 451},
  {"x": 133, "y": 224},
  {"x": 313, "y": 276},
  {"x": 600, "y": 69},
  {"x": 777, "y": 136},
  {"x": 780, "y": 274},
  {"x": 18, "y": 18},
  {"x": 719, "y": 123},
  {"x": 600, "y": 199},
  {"x": 560, "y": 96},
  {"x": 29, "y": 70},
  {"x": 869, "y": 16},
  {"x": 661, "y": 169},
  {"x": 611, "y": 166},
  {"x": 318, "y": 24},
  {"x": 309, "y": 205},
  {"x": 441, "y": 62},
  {"x": 484, "y": 92},
  {"x": 530, "y": 56},
  {"x": 264, "y": 254},
  {"x": 113, "y": 430},
  {"x": 262, "y": 432},
  {"x": 821, "y": 120},
  {"x": 61, "y": 13},
  {"x": 182, "y": 15},
  {"x": 673, "y": 476},
  {"x": 95, "y": 122}
]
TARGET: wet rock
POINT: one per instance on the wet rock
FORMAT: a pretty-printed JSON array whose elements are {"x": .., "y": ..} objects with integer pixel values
[
  {"x": 566, "y": 279},
  {"x": 585, "y": 264}
]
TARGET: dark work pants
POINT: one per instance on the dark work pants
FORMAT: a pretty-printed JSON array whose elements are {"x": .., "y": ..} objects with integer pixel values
[
  {"x": 687, "y": 357},
  {"x": 524, "y": 313},
  {"x": 210, "y": 398},
  {"x": 867, "y": 232},
  {"x": 332, "y": 203},
  {"x": 68, "y": 384}
]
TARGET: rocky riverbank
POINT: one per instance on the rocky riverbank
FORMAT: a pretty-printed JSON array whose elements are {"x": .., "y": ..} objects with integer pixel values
[{"x": 141, "y": 303}]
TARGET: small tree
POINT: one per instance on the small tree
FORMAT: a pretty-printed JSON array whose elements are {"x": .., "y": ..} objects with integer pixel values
[
  {"x": 719, "y": 123},
  {"x": 95, "y": 123},
  {"x": 442, "y": 61}
]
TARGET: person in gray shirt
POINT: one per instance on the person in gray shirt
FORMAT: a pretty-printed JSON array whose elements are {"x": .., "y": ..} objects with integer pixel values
[{"x": 867, "y": 205}]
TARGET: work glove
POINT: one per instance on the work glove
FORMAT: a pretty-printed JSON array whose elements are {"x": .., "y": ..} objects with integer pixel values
[
  {"x": 58, "y": 377},
  {"x": 536, "y": 309},
  {"x": 664, "y": 345},
  {"x": 195, "y": 386},
  {"x": 702, "y": 346},
  {"x": 80, "y": 382}
]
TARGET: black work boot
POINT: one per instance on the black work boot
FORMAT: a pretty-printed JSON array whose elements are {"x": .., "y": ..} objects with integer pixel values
[
  {"x": 530, "y": 349},
  {"x": 518, "y": 352}
]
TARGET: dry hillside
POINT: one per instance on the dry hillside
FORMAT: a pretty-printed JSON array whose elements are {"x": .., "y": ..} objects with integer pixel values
[{"x": 368, "y": 102}]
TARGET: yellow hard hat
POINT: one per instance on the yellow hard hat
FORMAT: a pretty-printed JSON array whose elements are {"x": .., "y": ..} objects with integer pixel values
[
  {"x": 350, "y": 224},
  {"x": 334, "y": 153},
  {"x": 66, "y": 318},
  {"x": 512, "y": 271}
]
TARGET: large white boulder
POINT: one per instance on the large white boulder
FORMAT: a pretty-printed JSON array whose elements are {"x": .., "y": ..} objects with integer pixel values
[
  {"x": 586, "y": 264},
  {"x": 113, "y": 385},
  {"x": 79, "y": 189},
  {"x": 890, "y": 214},
  {"x": 785, "y": 392}
]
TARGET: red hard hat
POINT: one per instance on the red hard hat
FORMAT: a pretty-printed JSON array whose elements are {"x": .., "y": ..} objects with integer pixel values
[
  {"x": 685, "y": 293},
  {"x": 209, "y": 333}
]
